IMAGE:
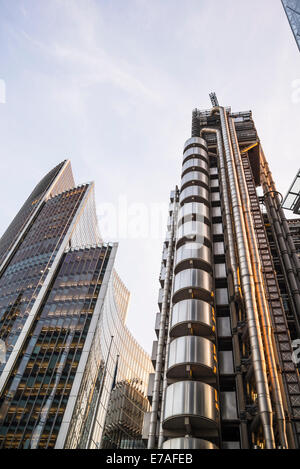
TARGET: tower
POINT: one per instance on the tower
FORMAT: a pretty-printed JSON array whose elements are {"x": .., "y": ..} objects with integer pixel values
[
  {"x": 225, "y": 376},
  {"x": 64, "y": 342}
]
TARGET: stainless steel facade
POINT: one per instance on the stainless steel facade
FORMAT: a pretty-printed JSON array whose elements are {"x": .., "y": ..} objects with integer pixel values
[
  {"x": 64, "y": 342},
  {"x": 224, "y": 374}
]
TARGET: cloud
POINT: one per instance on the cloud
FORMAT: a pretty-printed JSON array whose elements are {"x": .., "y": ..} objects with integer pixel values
[
  {"x": 83, "y": 58},
  {"x": 99, "y": 67}
]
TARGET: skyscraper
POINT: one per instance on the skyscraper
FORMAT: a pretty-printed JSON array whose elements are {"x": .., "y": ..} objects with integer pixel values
[
  {"x": 292, "y": 9},
  {"x": 225, "y": 373},
  {"x": 64, "y": 343}
]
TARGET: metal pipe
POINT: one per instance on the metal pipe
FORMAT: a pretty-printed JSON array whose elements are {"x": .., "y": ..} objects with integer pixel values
[
  {"x": 165, "y": 382},
  {"x": 258, "y": 357},
  {"x": 228, "y": 217},
  {"x": 281, "y": 215},
  {"x": 232, "y": 258},
  {"x": 284, "y": 257},
  {"x": 161, "y": 342},
  {"x": 283, "y": 250},
  {"x": 260, "y": 291},
  {"x": 248, "y": 286}
]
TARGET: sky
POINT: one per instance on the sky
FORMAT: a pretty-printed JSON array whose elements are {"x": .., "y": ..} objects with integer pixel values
[{"x": 111, "y": 85}]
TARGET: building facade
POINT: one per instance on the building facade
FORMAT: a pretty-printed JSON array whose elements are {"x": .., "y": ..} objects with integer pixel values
[
  {"x": 292, "y": 9},
  {"x": 64, "y": 343},
  {"x": 125, "y": 416},
  {"x": 225, "y": 374}
]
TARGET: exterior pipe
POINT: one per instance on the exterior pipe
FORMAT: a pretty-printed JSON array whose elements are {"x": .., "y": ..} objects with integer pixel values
[
  {"x": 161, "y": 343},
  {"x": 260, "y": 292},
  {"x": 284, "y": 253},
  {"x": 258, "y": 358},
  {"x": 228, "y": 218},
  {"x": 232, "y": 258},
  {"x": 281, "y": 216},
  {"x": 165, "y": 382},
  {"x": 253, "y": 321}
]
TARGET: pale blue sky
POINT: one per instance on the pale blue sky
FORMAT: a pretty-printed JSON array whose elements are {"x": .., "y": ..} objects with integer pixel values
[{"x": 111, "y": 84}]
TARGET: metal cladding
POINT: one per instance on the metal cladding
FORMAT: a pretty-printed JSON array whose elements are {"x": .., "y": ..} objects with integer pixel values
[
  {"x": 192, "y": 356},
  {"x": 195, "y": 193},
  {"x": 190, "y": 396},
  {"x": 195, "y": 314},
  {"x": 188, "y": 254},
  {"x": 225, "y": 376},
  {"x": 195, "y": 144},
  {"x": 190, "y": 211},
  {"x": 195, "y": 163},
  {"x": 191, "y": 283},
  {"x": 191, "y": 404},
  {"x": 188, "y": 443}
]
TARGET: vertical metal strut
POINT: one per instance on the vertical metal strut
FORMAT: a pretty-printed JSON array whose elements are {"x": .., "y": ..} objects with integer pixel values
[
  {"x": 161, "y": 340},
  {"x": 280, "y": 328}
]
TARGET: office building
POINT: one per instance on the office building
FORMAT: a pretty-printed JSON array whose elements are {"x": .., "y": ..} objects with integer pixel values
[
  {"x": 229, "y": 303},
  {"x": 64, "y": 342}
]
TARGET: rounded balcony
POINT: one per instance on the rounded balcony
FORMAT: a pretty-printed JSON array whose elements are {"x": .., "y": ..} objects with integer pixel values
[
  {"x": 191, "y": 406},
  {"x": 195, "y": 164},
  {"x": 193, "y": 211},
  {"x": 188, "y": 443},
  {"x": 192, "y": 283},
  {"x": 192, "y": 357},
  {"x": 194, "y": 194},
  {"x": 193, "y": 255},
  {"x": 195, "y": 178},
  {"x": 195, "y": 142},
  {"x": 193, "y": 231},
  {"x": 196, "y": 314}
]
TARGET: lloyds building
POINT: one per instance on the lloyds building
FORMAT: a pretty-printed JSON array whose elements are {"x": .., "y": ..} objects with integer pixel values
[
  {"x": 65, "y": 348},
  {"x": 229, "y": 299}
]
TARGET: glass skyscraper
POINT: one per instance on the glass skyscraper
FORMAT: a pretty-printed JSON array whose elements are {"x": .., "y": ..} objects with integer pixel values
[
  {"x": 292, "y": 9},
  {"x": 64, "y": 343}
]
